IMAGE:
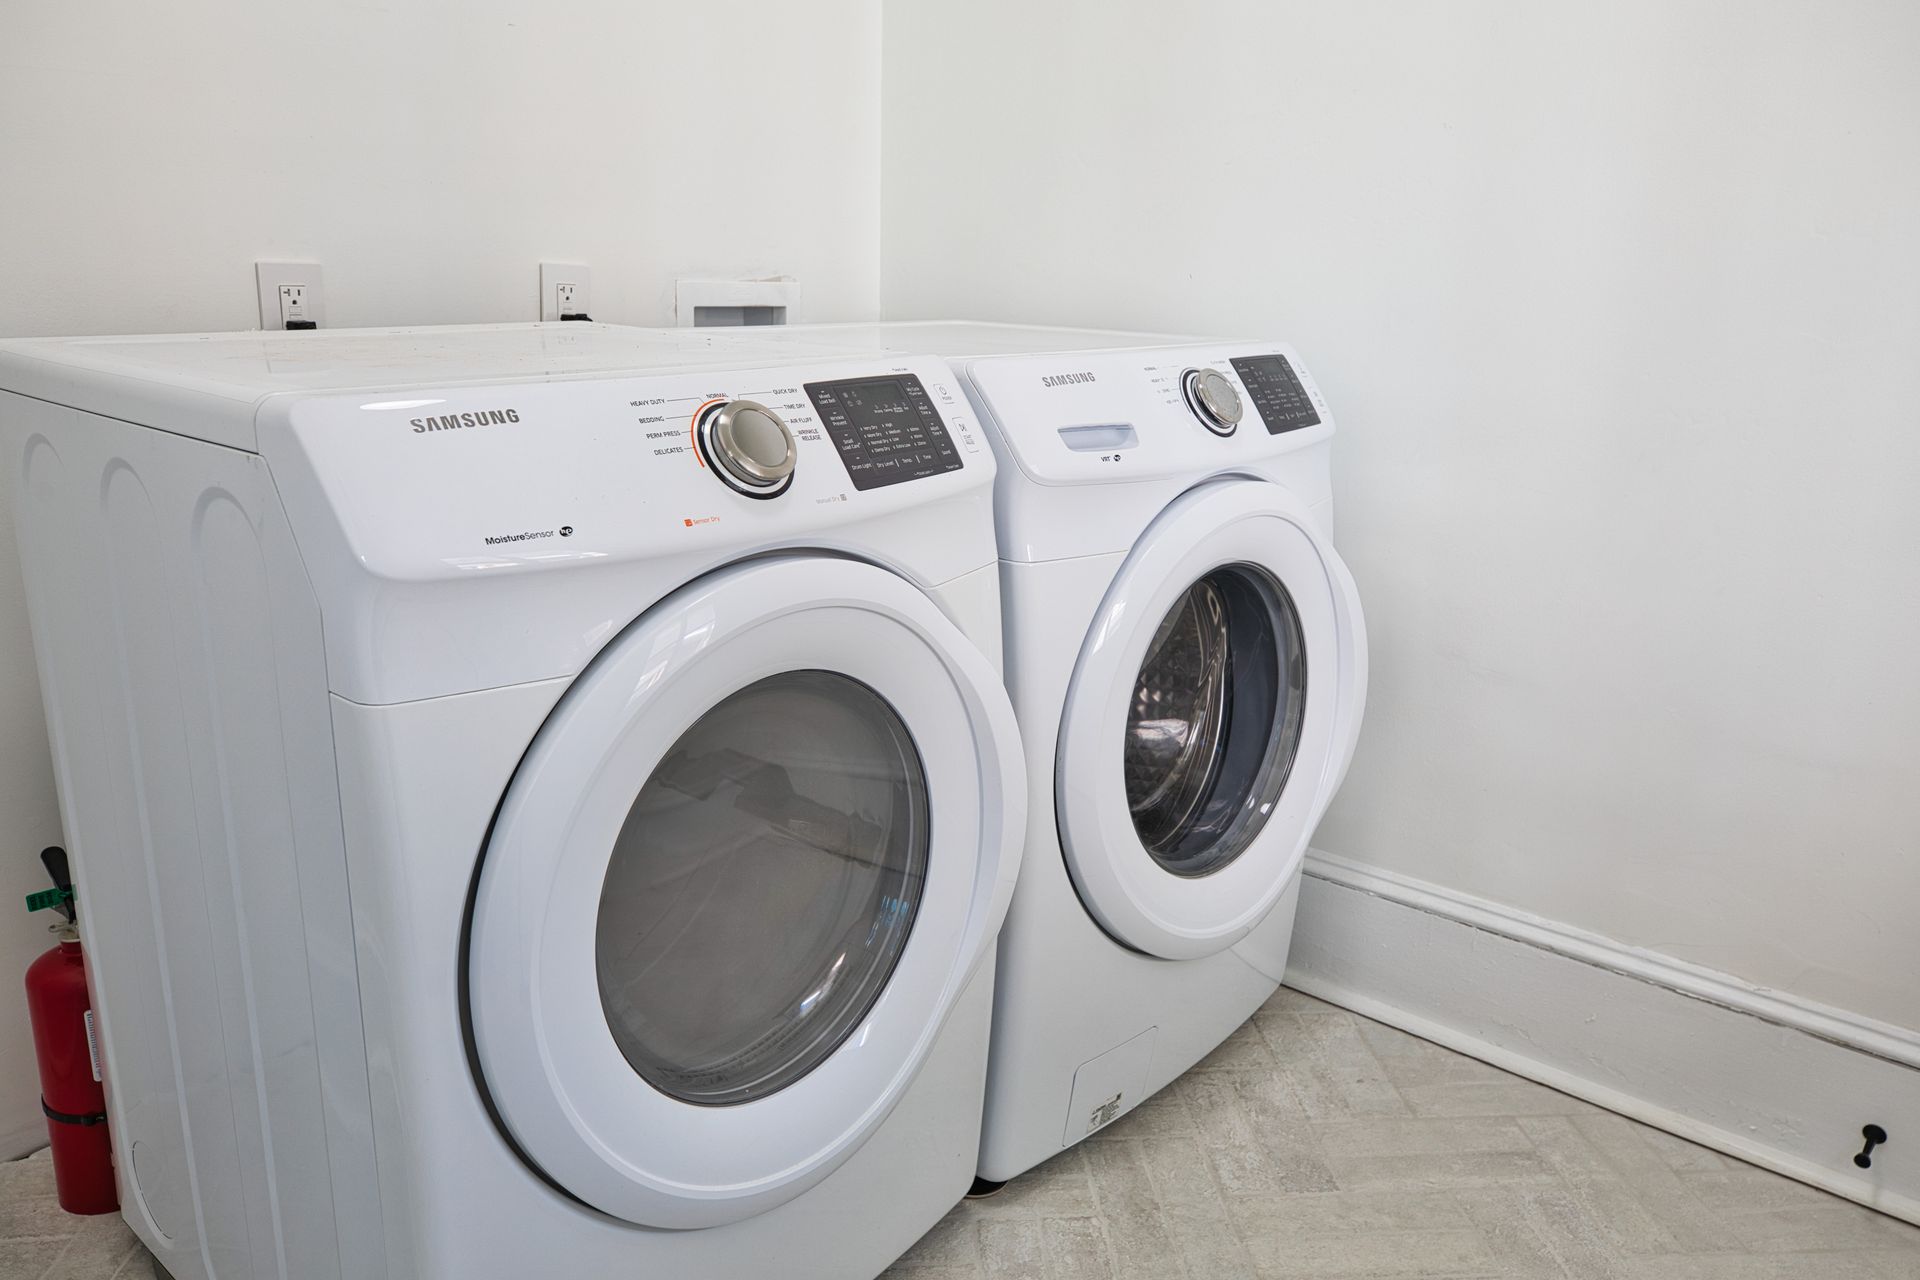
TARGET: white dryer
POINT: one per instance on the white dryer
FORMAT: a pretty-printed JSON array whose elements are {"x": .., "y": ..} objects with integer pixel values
[
  {"x": 542, "y": 797},
  {"x": 1188, "y": 661}
]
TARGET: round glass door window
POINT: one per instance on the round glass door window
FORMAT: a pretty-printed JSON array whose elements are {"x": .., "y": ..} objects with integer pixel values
[
  {"x": 762, "y": 888},
  {"x": 1215, "y": 719}
]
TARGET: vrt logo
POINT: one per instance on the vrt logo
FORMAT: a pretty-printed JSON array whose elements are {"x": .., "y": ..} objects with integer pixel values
[{"x": 566, "y": 531}]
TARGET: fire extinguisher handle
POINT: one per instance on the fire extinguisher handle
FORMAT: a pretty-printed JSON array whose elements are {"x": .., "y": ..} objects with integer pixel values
[{"x": 54, "y": 859}]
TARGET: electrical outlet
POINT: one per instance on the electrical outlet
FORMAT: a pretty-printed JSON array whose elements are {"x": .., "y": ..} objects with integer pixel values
[
  {"x": 564, "y": 291},
  {"x": 293, "y": 306},
  {"x": 290, "y": 295}
]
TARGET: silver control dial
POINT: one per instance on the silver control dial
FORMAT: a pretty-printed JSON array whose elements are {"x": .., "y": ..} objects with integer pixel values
[
  {"x": 751, "y": 444},
  {"x": 1214, "y": 400}
]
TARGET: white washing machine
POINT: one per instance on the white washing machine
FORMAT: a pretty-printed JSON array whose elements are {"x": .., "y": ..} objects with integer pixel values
[
  {"x": 1188, "y": 661},
  {"x": 542, "y": 797}
]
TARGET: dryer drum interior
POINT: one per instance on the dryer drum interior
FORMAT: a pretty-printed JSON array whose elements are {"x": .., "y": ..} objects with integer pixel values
[{"x": 762, "y": 888}]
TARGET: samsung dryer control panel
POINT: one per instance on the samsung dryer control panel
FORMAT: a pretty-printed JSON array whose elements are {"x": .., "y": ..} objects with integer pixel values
[
  {"x": 443, "y": 482},
  {"x": 886, "y": 429},
  {"x": 1143, "y": 413}
]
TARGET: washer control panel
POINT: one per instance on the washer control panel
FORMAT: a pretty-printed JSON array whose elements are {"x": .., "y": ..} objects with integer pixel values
[
  {"x": 886, "y": 429},
  {"x": 1276, "y": 392},
  {"x": 1143, "y": 412}
]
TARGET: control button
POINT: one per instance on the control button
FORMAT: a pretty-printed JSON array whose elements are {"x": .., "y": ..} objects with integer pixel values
[
  {"x": 752, "y": 446},
  {"x": 1213, "y": 399}
]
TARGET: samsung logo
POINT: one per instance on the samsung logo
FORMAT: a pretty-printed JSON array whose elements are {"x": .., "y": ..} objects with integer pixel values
[
  {"x": 455, "y": 421},
  {"x": 1064, "y": 379}
]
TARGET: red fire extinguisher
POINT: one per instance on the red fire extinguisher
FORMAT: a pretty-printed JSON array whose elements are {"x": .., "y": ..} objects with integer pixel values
[{"x": 70, "y": 1091}]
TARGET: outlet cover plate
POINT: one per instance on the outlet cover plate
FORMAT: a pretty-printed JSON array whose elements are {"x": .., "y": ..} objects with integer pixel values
[
  {"x": 555, "y": 274},
  {"x": 269, "y": 276}
]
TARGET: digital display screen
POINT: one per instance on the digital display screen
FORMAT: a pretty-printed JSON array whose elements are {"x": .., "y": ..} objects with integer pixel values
[
  {"x": 1274, "y": 388},
  {"x": 886, "y": 429}
]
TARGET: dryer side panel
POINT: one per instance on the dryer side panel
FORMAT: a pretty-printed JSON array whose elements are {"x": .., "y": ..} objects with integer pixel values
[{"x": 180, "y": 654}]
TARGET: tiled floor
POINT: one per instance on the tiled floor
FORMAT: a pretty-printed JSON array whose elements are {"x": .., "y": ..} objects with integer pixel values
[
  {"x": 37, "y": 1239},
  {"x": 1315, "y": 1143}
]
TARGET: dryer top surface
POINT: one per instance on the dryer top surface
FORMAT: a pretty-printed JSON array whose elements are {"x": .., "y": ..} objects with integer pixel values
[{"x": 211, "y": 385}]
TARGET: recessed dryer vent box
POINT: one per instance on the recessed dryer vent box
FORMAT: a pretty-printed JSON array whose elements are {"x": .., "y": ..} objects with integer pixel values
[{"x": 734, "y": 303}]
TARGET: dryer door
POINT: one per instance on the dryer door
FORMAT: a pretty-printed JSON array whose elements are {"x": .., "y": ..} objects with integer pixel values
[
  {"x": 736, "y": 885},
  {"x": 1210, "y": 719}
]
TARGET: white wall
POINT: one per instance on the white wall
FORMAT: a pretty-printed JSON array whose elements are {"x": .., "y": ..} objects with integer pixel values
[
  {"x": 429, "y": 156},
  {"x": 1619, "y": 306}
]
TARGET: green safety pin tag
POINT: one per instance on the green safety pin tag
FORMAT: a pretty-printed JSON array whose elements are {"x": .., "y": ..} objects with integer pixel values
[{"x": 49, "y": 898}]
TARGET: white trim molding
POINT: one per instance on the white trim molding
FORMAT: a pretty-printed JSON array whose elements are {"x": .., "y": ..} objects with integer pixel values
[{"x": 1772, "y": 1079}]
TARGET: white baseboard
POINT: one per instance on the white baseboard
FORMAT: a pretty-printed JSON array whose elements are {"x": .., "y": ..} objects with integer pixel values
[{"x": 1771, "y": 1079}]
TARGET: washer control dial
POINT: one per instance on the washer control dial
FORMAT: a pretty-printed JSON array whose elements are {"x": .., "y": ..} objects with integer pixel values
[
  {"x": 749, "y": 447},
  {"x": 1214, "y": 400}
]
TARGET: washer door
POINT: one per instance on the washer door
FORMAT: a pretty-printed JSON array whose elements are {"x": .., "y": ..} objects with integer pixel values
[
  {"x": 1210, "y": 719},
  {"x": 736, "y": 885}
]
